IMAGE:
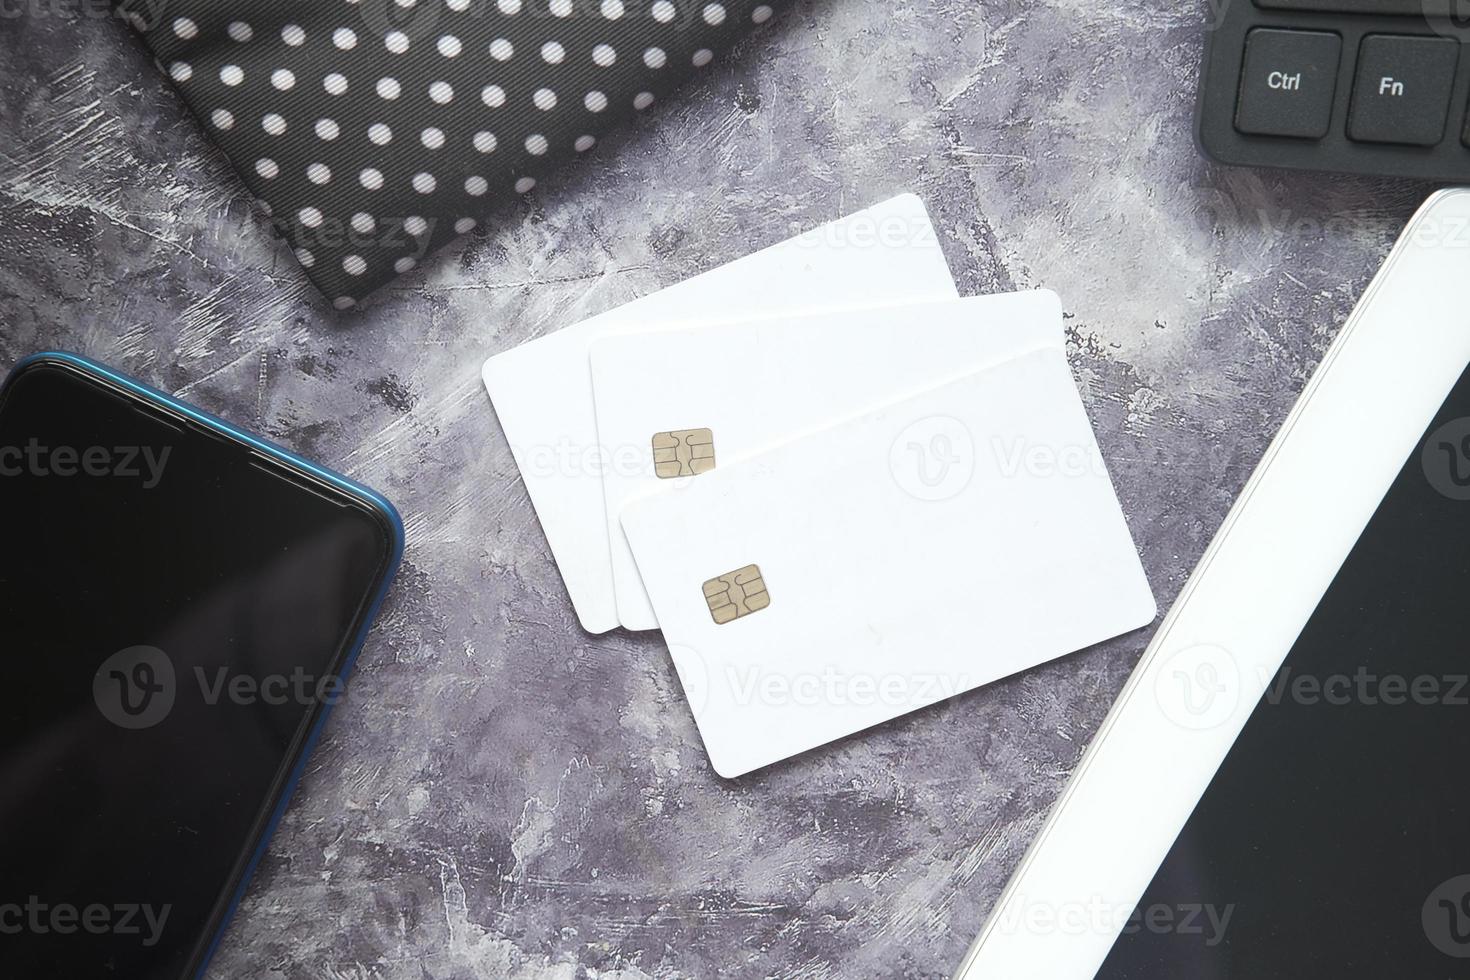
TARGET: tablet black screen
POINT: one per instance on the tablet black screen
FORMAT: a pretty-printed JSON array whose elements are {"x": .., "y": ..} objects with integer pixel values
[{"x": 1334, "y": 841}]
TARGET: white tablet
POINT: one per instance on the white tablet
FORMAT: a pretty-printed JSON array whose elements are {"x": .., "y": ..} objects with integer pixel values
[{"x": 1279, "y": 791}]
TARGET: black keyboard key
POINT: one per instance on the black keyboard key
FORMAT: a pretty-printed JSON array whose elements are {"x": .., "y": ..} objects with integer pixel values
[
  {"x": 1287, "y": 83},
  {"x": 1403, "y": 88},
  {"x": 1393, "y": 8}
]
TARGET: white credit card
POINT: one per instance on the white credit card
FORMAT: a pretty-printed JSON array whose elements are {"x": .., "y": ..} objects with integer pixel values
[
  {"x": 542, "y": 390},
  {"x": 674, "y": 404},
  {"x": 889, "y": 562}
]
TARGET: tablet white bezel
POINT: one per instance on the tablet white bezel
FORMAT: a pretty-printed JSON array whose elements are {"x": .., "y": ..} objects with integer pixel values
[{"x": 1361, "y": 415}]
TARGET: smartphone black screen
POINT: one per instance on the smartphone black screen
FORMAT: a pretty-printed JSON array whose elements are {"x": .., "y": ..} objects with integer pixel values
[
  {"x": 1334, "y": 840},
  {"x": 174, "y": 607}
]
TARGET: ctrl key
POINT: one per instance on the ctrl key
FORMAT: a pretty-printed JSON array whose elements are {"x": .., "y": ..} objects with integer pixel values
[{"x": 1288, "y": 83}]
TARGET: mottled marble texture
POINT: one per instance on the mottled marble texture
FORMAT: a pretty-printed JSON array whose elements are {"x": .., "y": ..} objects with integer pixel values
[{"x": 505, "y": 796}]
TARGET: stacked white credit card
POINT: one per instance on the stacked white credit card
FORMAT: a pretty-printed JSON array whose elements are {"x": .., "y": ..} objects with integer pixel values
[{"x": 841, "y": 491}]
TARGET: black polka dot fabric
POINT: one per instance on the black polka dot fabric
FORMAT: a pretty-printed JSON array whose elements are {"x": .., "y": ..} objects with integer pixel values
[{"x": 376, "y": 131}]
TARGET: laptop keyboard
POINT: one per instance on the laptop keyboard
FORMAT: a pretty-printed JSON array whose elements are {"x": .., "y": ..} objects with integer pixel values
[{"x": 1351, "y": 86}]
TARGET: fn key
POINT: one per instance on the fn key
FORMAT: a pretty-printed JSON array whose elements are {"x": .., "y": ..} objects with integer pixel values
[
  {"x": 1288, "y": 83},
  {"x": 1403, "y": 90}
]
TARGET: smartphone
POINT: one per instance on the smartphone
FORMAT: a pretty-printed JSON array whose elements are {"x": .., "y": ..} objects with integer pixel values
[{"x": 181, "y": 605}]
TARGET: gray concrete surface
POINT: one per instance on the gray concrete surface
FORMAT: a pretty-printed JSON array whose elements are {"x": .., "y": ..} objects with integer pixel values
[{"x": 505, "y": 797}]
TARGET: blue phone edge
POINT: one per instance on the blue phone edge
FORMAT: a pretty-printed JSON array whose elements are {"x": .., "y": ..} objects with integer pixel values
[{"x": 366, "y": 495}]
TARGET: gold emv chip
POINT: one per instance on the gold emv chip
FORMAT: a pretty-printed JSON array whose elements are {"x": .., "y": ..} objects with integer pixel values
[
  {"x": 736, "y": 594},
  {"x": 683, "y": 452}
]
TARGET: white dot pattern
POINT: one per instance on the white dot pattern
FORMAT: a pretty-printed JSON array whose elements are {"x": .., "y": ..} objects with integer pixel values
[{"x": 401, "y": 124}]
